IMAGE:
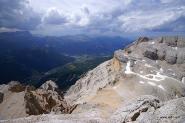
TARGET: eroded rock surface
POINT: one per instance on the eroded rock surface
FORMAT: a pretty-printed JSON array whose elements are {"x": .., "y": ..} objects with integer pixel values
[
  {"x": 18, "y": 100},
  {"x": 149, "y": 109},
  {"x": 153, "y": 67},
  {"x": 46, "y": 99}
]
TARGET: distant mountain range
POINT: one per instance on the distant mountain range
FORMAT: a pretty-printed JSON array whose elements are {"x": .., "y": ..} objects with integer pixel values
[{"x": 25, "y": 57}]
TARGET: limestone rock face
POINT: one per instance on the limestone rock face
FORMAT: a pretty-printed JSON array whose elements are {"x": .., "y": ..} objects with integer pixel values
[
  {"x": 18, "y": 100},
  {"x": 89, "y": 85},
  {"x": 148, "y": 109},
  {"x": 133, "y": 109},
  {"x": 49, "y": 85},
  {"x": 144, "y": 109},
  {"x": 152, "y": 67},
  {"x": 46, "y": 99},
  {"x": 148, "y": 66},
  {"x": 15, "y": 86},
  {"x": 170, "y": 111}
]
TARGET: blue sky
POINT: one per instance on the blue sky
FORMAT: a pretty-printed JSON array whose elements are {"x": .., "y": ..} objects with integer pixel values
[{"x": 92, "y": 17}]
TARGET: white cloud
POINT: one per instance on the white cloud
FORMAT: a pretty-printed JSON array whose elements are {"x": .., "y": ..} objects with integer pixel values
[
  {"x": 141, "y": 20},
  {"x": 54, "y": 16},
  {"x": 4, "y": 29},
  {"x": 108, "y": 16}
]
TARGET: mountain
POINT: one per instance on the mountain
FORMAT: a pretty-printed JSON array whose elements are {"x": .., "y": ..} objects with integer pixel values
[
  {"x": 26, "y": 58},
  {"x": 144, "y": 82},
  {"x": 68, "y": 74}
]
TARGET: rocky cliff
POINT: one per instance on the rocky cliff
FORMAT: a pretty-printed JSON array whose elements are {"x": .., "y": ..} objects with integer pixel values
[
  {"x": 18, "y": 100},
  {"x": 145, "y": 82}
]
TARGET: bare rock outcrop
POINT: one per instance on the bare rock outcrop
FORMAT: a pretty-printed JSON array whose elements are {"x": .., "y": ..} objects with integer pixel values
[
  {"x": 18, "y": 100},
  {"x": 149, "y": 109},
  {"x": 152, "y": 67},
  {"x": 46, "y": 99},
  {"x": 133, "y": 109},
  {"x": 16, "y": 87},
  {"x": 144, "y": 109}
]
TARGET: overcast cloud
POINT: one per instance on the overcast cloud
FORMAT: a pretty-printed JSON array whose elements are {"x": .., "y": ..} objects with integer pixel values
[{"x": 107, "y": 17}]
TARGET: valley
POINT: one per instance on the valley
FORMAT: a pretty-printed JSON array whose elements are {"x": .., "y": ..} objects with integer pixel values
[{"x": 33, "y": 60}]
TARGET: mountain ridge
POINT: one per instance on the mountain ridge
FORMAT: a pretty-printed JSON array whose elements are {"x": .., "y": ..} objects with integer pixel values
[{"x": 142, "y": 83}]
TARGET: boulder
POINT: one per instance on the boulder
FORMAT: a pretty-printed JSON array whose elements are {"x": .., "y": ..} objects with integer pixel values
[
  {"x": 171, "y": 56},
  {"x": 161, "y": 54},
  {"x": 151, "y": 53},
  {"x": 49, "y": 85}
]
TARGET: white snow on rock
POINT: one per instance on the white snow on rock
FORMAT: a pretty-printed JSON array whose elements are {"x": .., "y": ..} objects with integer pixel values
[
  {"x": 128, "y": 69},
  {"x": 141, "y": 82},
  {"x": 161, "y": 87},
  {"x": 151, "y": 83}
]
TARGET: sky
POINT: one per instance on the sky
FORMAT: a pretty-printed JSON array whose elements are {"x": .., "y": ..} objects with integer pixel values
[{"x": 93, "y": 17}]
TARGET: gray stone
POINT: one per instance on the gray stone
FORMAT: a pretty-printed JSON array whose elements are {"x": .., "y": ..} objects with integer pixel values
[
  {"x": 130, "y": 111},
  {"x": 170, "y": 40},
  {"x": 171, "y": 56},
  {"x": 142, "y": 39},
  {"x": 181, "y": 56},
  {"x": 181, "y": 42},
  {"x": 1, "y": 97},
  {"x": 45, "y": 100},
  {"x": 120, "y": 56},
  {"x": 151, "y": 53},
  {"x": 161, "y": 54},
  {"x": 172, "y": 111},
  {"x": 49, "y": 85},
  {"x": 148, "y": 109}
]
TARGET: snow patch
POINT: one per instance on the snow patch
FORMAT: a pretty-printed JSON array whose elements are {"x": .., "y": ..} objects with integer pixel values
[
  {"x": 161, "y": 70},
  {"x": 175, "y": 48},
  {"x": 151, "y": 83},
  {"x": 157, "y": 77},
  {"x": 153, "y": 77},
  {"x": 147, "y": 65},
  {"x": 141, "y": 82},
  {"x": 161, "y": 87},
  {"x": 183, "y": 80},
  {"x": 128, "y": 69},
  {"x": 115, "y": 87}
]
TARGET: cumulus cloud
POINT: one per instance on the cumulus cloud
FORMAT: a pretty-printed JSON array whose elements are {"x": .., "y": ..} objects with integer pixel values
[
  {"x": 54, "y": 16},
  {"x": 18, "y": 14},
  {"x": 94, "y": 17},
  {"x": 141, "y": 20}
]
